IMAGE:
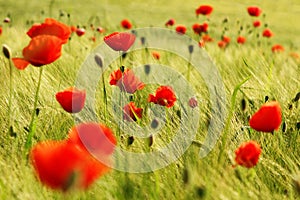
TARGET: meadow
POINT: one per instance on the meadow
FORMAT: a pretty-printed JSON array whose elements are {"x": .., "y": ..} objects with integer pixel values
[{"x": 251, "y": 74}]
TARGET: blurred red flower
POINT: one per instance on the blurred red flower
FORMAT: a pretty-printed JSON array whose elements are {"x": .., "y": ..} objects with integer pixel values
[
  {"x": 131, "y": 112},
  {"x": 254, "y": 11},
  {"x": 73, "y": 28},
  {"x": 120, "y": 41},
  {"x": 277, "y": 48},
  {"x": 200, "y": 28},
  {"x": 241, "y": 40},
  {"x": 267, "y": 118},
  {"x": 72, "y": 99},
  {"x": 267, "y": 33},
  {"x": 164, "y": 96},
  {"x": 222, "y": 44},
  {"x": 64, "y": 166},
  {"x": 207, "y": 38},
  {"x": 1, "y": 30},
  {"x": 6, "y": 20},
  {"x": 170, "y": 22},
  {"x": 204, "y": 10},
  {"x": 80, "y": 31},
  {"x": 42, "y": 50},
  {"x": 94, "y": 138},
  {"x": 126, "y": 81},
  {"x": 181, "y": 29},
  {"x": 100, "y": 29},
  {"x": 226, "y": 39},
  {"x": 156, "y": 55},
  {"x": 125, "y": 23},
  {"x": 193, "y": 102},
  {"x": 247, "y": 155},
  {"x": 50, "y": 27},
  {"x": 256, "y": 23}
]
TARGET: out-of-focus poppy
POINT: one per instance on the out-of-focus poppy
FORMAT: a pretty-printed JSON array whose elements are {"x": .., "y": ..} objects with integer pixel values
[
  {"x": 73, "y": 28},
  {"x": 277, "y": 48},
  {"x": 222, "y": 44},
  {"x": 204, "y": 10},
  {"x": 241, "y": 40},
  {"x": 156, "y": 55},
  {"x": 97, "y": 139},
  {"x": 63, "y": 166},
  {"x": 256, "y": 23},
  {"x": 80, "y": 31},
  {"x": 50, "y": 27},
  {"x": 267, "y": 118},
  {"x": 131, "y": 112},
  {"x": 164, "y": 96},
  {"x": 170, "y": 22},
  {"x": 200, "y": 28},
  {"x": 254, "y": 11},
  {"x": 125, "y": 23},
  {"x": 181, "y": 29},
  {"x": 6, "y": 20},
  {"x": 72, "y": 99},
  {"x": 1, "y": 30},
  {"x": 193, "y": 102},
  {"x": 267, "y": 33},
  {"x": 126, "y": 81},
  {"x": 100, "y": 29},
  {"x": 226, "y": 39},
  {"x": 207, "y": 38},
  {"x": 42, "y": 50},
  {"x": 120, "y": 41},
  {"x": 247, "y": 155}
]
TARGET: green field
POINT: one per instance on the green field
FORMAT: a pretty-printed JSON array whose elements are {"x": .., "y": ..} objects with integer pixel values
[{"x": 273, "y": 76}]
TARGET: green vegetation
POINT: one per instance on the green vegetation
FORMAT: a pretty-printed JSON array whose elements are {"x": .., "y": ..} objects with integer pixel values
[{"x": 275, "y": 75}]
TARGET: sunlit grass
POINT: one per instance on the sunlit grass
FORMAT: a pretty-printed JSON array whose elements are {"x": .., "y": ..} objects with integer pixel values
[{"x": 272, "y": 75}]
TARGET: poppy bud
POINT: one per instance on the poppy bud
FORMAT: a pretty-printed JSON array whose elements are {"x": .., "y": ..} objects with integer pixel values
[
  {"x": 201, "y": 191},
  {"x": 297, "y": 97},
  {"x": 154, "y": 123},
  {"x": 147, "y": 69},
  {"x": 185, "y": 176},
  {"x": 130, "y": 140},
  {"x": 151, "y": 140},
  {"x": 191, "y": 49},
  {"x": 99, "y": 60},
  {"x": 243, "y": 104},
  {"x": 143, "y": 40},
  {"x": 6, "y": 51}
]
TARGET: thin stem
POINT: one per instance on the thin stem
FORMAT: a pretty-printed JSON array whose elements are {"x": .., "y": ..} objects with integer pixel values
[
  {"x": 10, "y": 95},
  {"x": 32, "y": 125}
]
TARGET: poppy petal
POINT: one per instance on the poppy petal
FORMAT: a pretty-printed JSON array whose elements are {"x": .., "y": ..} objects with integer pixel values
[{"x": 20, "y": 63}]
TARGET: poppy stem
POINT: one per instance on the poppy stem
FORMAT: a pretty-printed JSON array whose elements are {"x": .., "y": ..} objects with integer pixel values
[
  {"x": 32, "y": 125},
  {"x": 10, "y": 95},
  {"x": 229, "y": 118}
]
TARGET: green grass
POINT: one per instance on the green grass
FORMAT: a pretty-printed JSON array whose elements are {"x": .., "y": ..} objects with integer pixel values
[{"x": 272, "y": 75}]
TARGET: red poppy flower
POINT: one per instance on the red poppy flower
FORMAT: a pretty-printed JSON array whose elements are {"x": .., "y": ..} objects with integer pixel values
[
  {"x": 42, "y": 50},
  {"x": 193, "y": 103},
  {"x": 267, "y": 33},
  {"x": 125, "y": 23},
  {"x": 180, "y": 29},
  {"x": 201, "y": 43},
  {"x": 207, "y": 38},
  {"x": 256, "y": 23},
  {"x": 73, "y": 28},
  {"x": 156, "y": 55},
  {"x": 277, "y": 48},
  {"x": 241, "y": 40},
  {"x": 170, "y": 22},
  {"x": 71, "y": 100},
  {"x": 50, "y": 27},
  {"x": 222, "y": 44},
  {"x": 61, "y": 165},
  {"x": 226, "y": 39},
  {"x": 100, "y": 29},
  {"x": 120, "y": 41},
  {"x": 204, "y": 10},
  {"x": 94, "y": 138},
  {"x": 1, "y": 30},
  {"x": 80, "y": 31},
  {"x": 247, "y": 155},
  {"x": 126, "y": 81},
  {"x": 131, "y": 112},
  {"x": 164, "y": 96},
  {"x": 6, "y": 20},
  {"x": 200, "y": 28},
  {"x": 254, "y": 11},
  {"x": 267, "y": 118}
]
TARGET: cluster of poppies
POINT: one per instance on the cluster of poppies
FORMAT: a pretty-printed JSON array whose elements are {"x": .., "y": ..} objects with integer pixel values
[{"x": 128, "y": 82}]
